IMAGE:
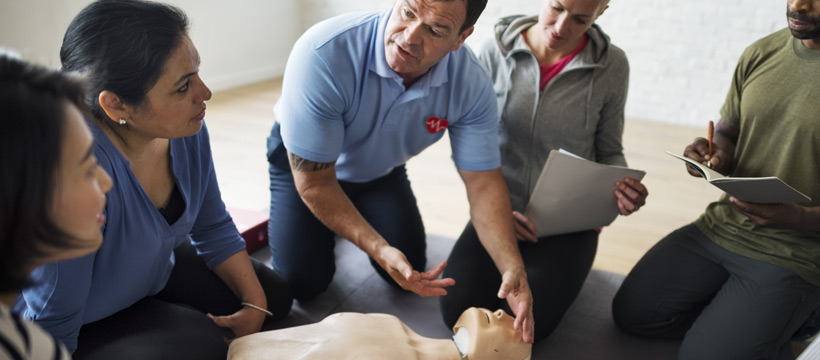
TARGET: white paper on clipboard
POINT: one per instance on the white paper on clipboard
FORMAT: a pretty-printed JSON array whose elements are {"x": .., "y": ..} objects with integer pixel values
[{"x": 574, "y": 194}]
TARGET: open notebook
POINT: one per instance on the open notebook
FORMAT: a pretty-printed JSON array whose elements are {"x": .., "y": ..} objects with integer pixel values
[{"x": 763, "y": 190}]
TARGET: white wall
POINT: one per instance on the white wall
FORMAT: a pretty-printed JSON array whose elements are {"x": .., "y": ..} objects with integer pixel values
[
  {"x": 682, "y": 53},
  {"x": 240, "y": 41},
  {"x": 35, "y": 28}
]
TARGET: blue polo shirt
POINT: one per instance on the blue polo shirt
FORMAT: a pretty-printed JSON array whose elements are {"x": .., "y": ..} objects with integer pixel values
[{"x": 342, "y": 102}]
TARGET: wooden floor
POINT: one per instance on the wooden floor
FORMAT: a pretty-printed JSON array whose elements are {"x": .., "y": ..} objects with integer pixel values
[{"x": 239, "y": 121}]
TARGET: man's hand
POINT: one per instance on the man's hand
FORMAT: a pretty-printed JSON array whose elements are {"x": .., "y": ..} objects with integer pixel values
[
  {"x": 490, "y": 210},
  {"x": 424, "y": 284},
  {"x": 699, "y": 151},
  {"x": 631, "y": 195},
  {"x": 723, "y": 149},
  {"x": 516, "y": 289},
  {"x": 246, "y": 321},
  {"x": 321, "y": 192},
  {"x": 782, "y": 216},
  {"x": 524, "y": 228}
]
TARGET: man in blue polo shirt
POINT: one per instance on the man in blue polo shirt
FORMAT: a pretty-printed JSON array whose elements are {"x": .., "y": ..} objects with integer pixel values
[{"x": 362, "y": 94}]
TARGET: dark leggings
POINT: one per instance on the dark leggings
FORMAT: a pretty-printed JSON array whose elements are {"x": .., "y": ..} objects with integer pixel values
[
  {"x": 302, "y": 247},
  {"x": 172, "y": 324},
  {"x": 723, "y": 305},
  {"x": 556, "y": 268}
]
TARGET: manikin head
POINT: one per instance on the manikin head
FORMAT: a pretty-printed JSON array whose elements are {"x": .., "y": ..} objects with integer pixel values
[{"x": 486, "y": 335}]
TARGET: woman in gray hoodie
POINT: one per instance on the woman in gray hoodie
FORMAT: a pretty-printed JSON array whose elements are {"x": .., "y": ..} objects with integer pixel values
[{"x": 559, "y": 83}]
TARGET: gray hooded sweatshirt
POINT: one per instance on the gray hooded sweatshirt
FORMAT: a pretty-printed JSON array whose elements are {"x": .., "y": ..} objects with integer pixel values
[{"x": 581, "y": 109}]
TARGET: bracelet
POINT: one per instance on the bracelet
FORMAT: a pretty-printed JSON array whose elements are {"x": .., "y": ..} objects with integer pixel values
[{"x": 252, "y": 306}]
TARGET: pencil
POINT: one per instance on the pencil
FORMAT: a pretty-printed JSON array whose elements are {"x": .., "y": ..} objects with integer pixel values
[{"x": 709, "y": 139}]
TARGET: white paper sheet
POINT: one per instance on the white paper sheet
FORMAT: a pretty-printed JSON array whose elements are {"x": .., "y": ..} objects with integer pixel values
[{"x": 574, "y": 194}]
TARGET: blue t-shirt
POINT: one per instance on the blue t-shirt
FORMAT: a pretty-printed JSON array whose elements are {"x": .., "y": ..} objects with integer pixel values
[
  {"x": 342, "y": 102},
  {"x": 136, "y": 256}
]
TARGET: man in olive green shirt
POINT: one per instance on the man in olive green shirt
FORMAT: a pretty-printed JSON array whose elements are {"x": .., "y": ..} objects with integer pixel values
[{"x": 741, "y": 279}]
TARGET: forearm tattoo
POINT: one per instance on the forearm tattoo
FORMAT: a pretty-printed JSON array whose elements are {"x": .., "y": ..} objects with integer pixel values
[{"x": 301, "y": 164}]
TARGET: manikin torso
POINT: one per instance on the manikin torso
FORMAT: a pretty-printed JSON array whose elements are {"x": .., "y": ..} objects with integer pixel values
[{"x": 381, "y": 336}]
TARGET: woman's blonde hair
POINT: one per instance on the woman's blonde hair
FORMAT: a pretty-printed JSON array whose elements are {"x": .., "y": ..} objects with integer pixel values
[{"x": 603, "y": 6}]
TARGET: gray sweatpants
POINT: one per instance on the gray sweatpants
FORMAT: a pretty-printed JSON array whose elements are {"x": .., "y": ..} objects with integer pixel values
[{"x": 724, "y": 306}]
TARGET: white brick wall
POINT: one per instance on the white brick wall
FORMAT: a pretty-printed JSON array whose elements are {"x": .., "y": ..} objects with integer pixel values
[{"x": 682, "y": 53}]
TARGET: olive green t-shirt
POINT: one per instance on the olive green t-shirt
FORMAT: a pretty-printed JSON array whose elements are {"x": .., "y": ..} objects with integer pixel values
[{"x": 774, "y": 100}]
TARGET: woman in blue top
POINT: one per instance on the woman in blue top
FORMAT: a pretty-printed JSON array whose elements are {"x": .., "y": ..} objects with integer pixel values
[{"x": 145, "y": 293}]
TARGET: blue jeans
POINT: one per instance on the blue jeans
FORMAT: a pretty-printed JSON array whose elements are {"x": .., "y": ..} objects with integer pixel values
[
  {"x": 302, "y": 247},
  {"x": 723, "y": 305}
]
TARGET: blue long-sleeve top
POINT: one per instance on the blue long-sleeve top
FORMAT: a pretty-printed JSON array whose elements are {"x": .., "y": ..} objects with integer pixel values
[{"x": 136, "y": 257}]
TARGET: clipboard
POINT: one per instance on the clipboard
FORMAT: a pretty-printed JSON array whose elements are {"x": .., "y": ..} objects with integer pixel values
[{"x": 574, "y": 194}]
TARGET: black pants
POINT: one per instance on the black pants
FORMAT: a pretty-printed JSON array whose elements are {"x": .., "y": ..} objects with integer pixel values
[
  {"x": 556, "y": 268},
  {"x": 172, "y": 324},
  {"x": 302, "y": 247},
  {"x": 723, "y": 305}
]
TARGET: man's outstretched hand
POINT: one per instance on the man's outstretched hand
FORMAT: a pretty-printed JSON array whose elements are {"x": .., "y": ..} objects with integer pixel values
[
  {"x": 516, "y": 289},
  {"x": 422, "y": 283}
]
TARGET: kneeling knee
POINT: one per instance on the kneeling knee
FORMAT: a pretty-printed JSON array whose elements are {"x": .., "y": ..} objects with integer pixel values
[
  {"x": 306, "y": 286},
  {"x": 629, "y": 317}
]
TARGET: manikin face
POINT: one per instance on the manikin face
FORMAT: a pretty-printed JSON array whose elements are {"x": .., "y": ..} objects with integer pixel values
[
  {"x": 80, "y": 187},
  {"x": 175, "y": 106},
  {"x": 492, "y": 335},
  {"x": 563, "y": 22},
  {"x": 804, "y": 18},
  {"x": 421, "y": 32}
]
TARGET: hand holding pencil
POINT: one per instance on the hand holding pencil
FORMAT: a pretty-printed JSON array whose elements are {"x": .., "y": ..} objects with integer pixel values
[
  {"x": 715, "y": 150},
  {"x": 704, "y": 150}
]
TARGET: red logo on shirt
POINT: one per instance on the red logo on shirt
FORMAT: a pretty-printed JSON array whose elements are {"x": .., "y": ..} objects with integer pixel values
[{"x": 434, "y": 124}]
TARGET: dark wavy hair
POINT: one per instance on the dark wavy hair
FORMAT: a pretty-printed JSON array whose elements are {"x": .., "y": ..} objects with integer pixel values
[
  {"x": 474, "y": 10},
  {"x": 121, "y": 46},
  {"x": 33, "y": 117}
]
